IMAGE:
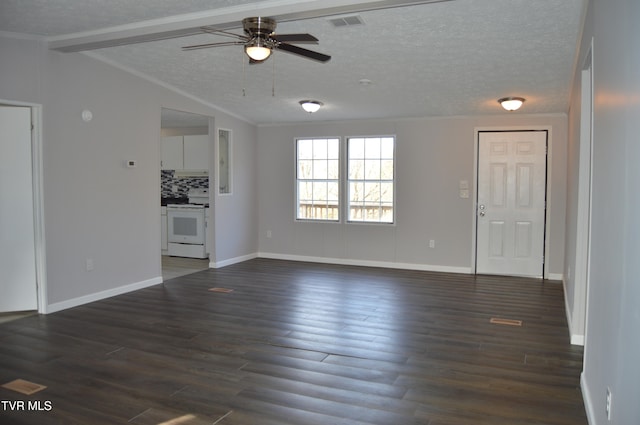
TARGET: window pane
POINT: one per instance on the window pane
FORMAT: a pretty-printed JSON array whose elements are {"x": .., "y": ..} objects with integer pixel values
[
  {"x": 386, "y": 148},
  {"x": 305, "y": 149},
  {"x": 372, "y": 191},
  {"x": 333, "y": 193},
  {"x": 372, "y": 169},
  {"x": 356, "y": 148},
  {"x": 305, "y": 192},
  {"x": 333, "y": 149},
  {"x": 320, "y": 149},
  {"x": 320, "y": 169},
  {"x": 386, "y": 192},
  {"x": 304, "y": 169},
  {"x": 320, "y": 191},
  {"x": 333, "y": 171},
  {"x": 356, "y": 192},
  {"x": 386, "y": 169},
  {"x": 356, "y": 169},
  {"x": 372, "y": 148}
]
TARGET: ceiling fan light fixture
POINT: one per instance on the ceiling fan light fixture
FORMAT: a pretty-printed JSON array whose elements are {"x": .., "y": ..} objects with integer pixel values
[
  {"x": 310, "y": 106},
  {"x": 257, "y": 49},
  {"x": 511, "y": 103}
]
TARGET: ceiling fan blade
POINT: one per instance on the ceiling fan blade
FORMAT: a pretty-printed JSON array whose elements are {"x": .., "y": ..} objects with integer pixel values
[
  {"x": 295, "y": 38},
  {"x": 215, "y": 31},
  {"x": 320, "y": 57},
  {"x": 208, "y": 45}
]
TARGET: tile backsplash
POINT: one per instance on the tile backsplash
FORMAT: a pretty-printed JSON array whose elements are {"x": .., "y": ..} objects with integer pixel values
[{"x": 181, "y": 185}]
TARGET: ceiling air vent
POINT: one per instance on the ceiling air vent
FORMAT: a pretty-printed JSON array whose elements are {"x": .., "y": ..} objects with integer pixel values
[{"x": 346, "y": 21}]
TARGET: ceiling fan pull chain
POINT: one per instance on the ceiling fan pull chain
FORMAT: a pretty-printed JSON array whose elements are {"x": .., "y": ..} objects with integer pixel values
[{"x": 244, "y": 93}]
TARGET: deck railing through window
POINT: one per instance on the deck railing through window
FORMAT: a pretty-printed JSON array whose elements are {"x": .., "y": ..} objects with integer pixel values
[{"x": 356, "y": 213}]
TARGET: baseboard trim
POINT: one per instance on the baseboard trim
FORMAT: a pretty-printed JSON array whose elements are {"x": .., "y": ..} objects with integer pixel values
[
  {"x": 230, "y": 261},
  {"x": 555, "y": 276},
  {"x": 85, "y": 299},
  {"x": 367, "y": 263},
  {"x": 586, "y": 398},
  {"x": 576, "y": 339}
]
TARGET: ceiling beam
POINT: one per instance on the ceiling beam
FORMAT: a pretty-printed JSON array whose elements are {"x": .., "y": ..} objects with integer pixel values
[{"x": 223, "y": 18}]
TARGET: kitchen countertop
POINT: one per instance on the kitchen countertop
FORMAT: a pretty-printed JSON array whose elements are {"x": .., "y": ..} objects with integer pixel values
[
  {"x": 179, "y": 201},
  {"x": 166, "y": 201}
]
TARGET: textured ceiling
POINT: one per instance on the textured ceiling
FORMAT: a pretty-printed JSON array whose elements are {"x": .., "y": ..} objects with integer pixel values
[{"x": 441, "y": 59}]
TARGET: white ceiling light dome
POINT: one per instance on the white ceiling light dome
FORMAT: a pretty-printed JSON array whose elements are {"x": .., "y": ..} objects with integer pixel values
[
  {"x": 310, "y": 106},
  {"x": 511, "y": 103},
  {"x": 258, "y": 49}
]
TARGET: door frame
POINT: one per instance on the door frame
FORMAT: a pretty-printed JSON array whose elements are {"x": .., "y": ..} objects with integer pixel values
[
  {"x": 474, "y": 233},
  {"x": 38, "y": 200}
]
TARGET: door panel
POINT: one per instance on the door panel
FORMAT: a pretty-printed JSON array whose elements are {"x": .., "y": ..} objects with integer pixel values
[
  {"x": 511, "y": 203},
  {"x": 17, "y": 244},
  {"x": 496, "y": 239}
]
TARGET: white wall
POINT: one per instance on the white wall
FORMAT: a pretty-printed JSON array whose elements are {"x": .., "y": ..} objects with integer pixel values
[
  {"x": 94, "y": 206},
  {"x": 433, "y": 155},
  {"x": 236, "y": 227},
  {"x": 612, "y": 346}
]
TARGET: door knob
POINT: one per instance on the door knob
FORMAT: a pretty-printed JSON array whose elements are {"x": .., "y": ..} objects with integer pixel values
[{"x": 481, "y": 213}]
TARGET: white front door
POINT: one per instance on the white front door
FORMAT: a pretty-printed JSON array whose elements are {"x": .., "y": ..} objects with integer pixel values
[
  {"x": 17, "y": 244},
  {"x": 511, "y": 203}
]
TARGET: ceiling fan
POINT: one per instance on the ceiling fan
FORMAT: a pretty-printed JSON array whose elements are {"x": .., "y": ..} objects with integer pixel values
[{"x": 260, "y": 40}]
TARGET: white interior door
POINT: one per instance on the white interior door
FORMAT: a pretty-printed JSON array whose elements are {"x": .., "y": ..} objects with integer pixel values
[
  {"x": 17, "y": 244},
  {"x": 511, "y": 203}
]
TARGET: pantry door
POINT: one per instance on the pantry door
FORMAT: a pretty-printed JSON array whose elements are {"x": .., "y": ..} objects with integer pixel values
[
  {"x": 17, "y": 245},
  {"x": 511, "y": 203}
]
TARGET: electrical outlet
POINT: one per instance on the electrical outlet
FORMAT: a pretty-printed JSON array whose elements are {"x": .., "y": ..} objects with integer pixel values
[
  {"x": 607, "y": 406},
  {"x": 432, "y": 243},
  {"x": 268, "y": 233},
  {"x": 89, "y": 264}
]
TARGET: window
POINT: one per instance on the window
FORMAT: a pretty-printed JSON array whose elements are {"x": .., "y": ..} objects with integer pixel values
[
  {"x": 224, "y": 161},
  {"x": 371, "y": 179},
  {"x": 318, "y": 179}
]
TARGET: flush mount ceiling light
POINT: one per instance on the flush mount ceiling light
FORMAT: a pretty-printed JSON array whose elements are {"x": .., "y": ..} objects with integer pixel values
[
  {"x": 511, "y": 103},
  {"x": 310, "y": 105}
]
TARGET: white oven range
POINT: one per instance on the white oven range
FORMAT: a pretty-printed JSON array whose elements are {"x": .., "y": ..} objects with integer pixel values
[{"x": 186, "y": 232}]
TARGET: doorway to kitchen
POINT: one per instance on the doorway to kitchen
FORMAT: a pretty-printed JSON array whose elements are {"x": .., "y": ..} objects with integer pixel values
[
  {"x": 511, "y": 203},
  {"x": 186, "y": 203}
]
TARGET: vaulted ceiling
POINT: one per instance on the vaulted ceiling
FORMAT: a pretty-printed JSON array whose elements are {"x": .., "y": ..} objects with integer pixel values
[{"x": 403, "y": 59}]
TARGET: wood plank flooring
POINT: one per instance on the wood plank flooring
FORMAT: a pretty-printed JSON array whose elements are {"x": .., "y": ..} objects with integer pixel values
[{"x": 302, "y": 344}]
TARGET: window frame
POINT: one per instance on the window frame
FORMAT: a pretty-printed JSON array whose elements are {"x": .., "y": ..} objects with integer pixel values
[
  {"x": 348, "y": 180},
  {"x": 339, "y": 186}
]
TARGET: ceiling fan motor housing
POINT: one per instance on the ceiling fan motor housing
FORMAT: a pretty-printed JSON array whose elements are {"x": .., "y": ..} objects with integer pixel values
[{"x": 259, "y": 26}]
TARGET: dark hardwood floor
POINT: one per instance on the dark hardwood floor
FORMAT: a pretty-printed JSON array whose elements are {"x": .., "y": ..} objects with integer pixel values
[{"x": 301, "y": 343}]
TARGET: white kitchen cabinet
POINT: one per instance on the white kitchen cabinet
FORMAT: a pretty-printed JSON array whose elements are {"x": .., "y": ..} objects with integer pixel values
[
  {"x": 196, "y": 152},
  {"x": 172, "y": 153},
  {"x": 185, "y": 153}
]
